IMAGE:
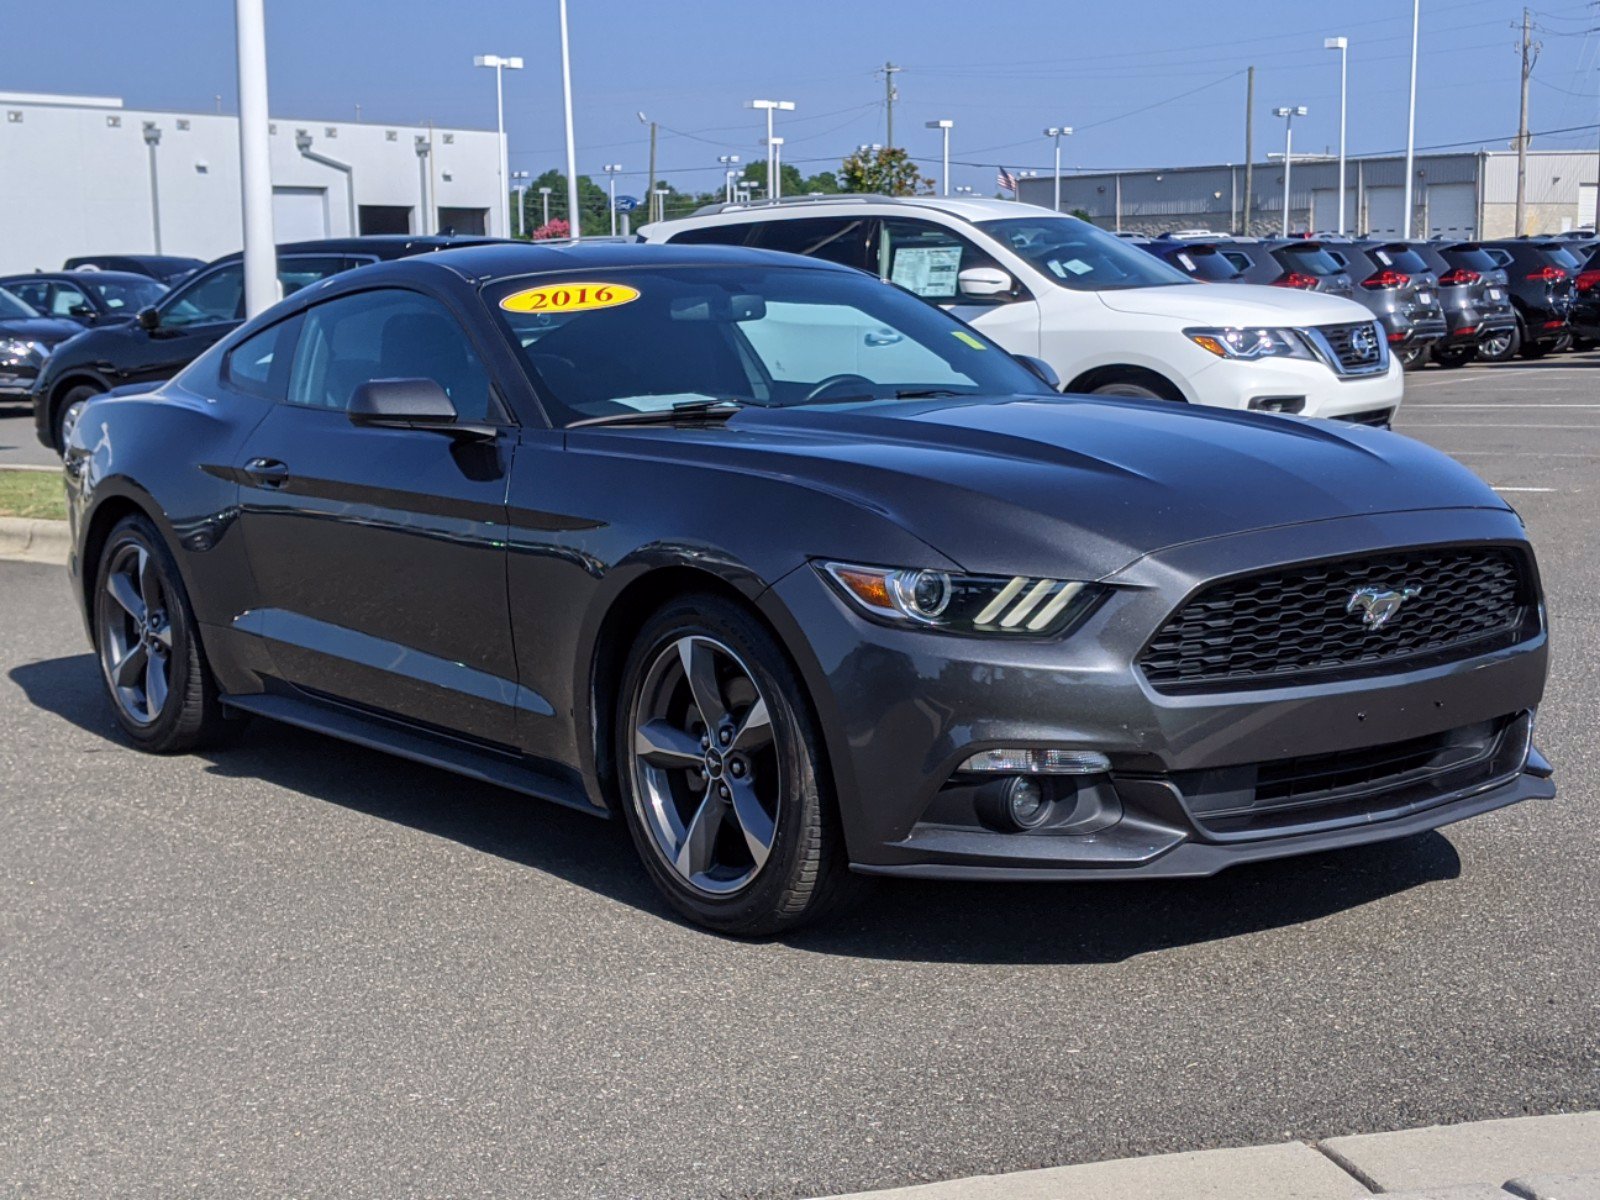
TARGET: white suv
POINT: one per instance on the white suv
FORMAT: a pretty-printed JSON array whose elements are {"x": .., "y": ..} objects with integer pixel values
[{"x": 1107, "y": 316}]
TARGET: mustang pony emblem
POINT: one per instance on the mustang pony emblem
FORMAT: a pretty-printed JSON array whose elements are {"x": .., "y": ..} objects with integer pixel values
[{"x": 1378, "y": 605}]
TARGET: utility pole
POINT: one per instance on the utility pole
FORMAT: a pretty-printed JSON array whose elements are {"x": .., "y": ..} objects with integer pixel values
[
  {"x": 1530, "y": 55},
  {"x": 656, "y": 205},
  {"x": 889, "y": 97},
  {"x": 1249, "y": 151}
]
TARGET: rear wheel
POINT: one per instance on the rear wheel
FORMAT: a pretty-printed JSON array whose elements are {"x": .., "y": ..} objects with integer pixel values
[
  {"x": 70, "y": 409},
  {"x": 1533, "y": 349},
  {"x": 150, "y": 655},
  {"x": 1141, "y": 391},
  {"x": 1500, "y": 346},
  {"x": 1414, "y": 357},
  {"x": 719, "y": 766}
]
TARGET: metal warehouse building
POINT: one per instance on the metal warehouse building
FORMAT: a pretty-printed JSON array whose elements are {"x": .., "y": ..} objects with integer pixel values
[
  {"x": 1464, "y": 195},
  {"x": 85, "y": 175}
]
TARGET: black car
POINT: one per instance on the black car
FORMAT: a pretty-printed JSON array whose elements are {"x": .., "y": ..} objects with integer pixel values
[
  {"x": 168, "y": 269},
  {"x": 1586, "y": 301},
  {"x": 797, "y": 573},
  {"x": 168, "y": 335},
  {"x": 1198, "y": 259},
  {"x": 1394, "y": 280},
  {"x": 1540, "y": 276},
  {"x": 87, "y": 297},
  {"x": 27, "y": 340},
  {"x": 1476, "y": 303},
  {"x": 1289, "y": 262}
]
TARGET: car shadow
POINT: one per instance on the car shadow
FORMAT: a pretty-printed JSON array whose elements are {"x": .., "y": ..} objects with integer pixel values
[{"x": 1060, "y": 923}]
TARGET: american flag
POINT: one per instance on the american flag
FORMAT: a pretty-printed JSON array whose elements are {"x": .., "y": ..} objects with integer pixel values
[{"x": 1006, "y": 180}]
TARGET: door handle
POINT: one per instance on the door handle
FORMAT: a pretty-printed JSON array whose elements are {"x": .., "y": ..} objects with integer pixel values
[{"x": 268, "y": 472}]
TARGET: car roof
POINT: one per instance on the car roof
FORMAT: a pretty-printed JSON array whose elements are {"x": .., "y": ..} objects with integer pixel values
[
  {"x": 81, "y": 277},
  {"x": 378, "y": 245},
  {"x": 486, "y": 263},
  {"x": 968, "y": 208}
]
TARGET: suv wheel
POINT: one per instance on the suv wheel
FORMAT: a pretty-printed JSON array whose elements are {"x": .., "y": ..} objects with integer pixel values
[
  {"x": 1141, "y": 391},
  {"x": 1500, "y": 346},
  {"x": 70, "y": 409},
  {"x": 719, "y": 769}
]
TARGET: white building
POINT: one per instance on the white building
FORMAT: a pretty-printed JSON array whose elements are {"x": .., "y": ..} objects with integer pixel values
[{"x": 85, "y": 175}]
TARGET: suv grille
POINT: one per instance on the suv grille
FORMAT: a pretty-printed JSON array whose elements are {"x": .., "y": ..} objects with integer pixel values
[
  {"x": 1352, "y": 357},
  {"x": 1294, "y": 625}
]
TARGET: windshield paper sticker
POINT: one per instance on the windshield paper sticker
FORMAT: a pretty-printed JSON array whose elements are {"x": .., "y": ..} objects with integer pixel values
[
  {"x": 927, "y": 270},
  {"x": 569, "y": 297}
]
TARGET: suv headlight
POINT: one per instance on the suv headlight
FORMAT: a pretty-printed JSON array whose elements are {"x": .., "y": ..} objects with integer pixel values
[
  {"x": 1250, "y": 344},
  {"x": 18, "y": 349},
  {"x": 983, "y": 604}
]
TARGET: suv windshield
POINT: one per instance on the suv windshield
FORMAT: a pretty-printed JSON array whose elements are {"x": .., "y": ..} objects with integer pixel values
[
  {"x": 128, "y": 292},
  {"x": 648, "y": 339},
  {"x": 1206, "y": 262},
  {"x": 1470, "y": 258},
  {"x": 1079, "y": 256},
  {"x": 1312, "y": 259},
  {"x": 1400, "y": 257}
]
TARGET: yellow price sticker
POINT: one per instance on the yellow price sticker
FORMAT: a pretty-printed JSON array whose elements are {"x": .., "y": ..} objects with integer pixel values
[
  {"x": 968, "y": 338},
  {"x": 569, "y": 297}
]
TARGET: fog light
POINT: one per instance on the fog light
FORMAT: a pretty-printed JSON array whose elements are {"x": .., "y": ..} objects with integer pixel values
[
  {"x": 1038, "y": 762},
  {"x": 1278, "y": 404},
  {"x": 1013, "y": 805}
]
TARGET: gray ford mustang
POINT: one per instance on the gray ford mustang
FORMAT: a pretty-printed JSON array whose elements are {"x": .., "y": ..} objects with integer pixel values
[{"x": 800, "y": 576}]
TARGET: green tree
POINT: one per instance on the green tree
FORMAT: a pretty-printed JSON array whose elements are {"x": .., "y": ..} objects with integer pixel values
[
  {"x": 794, "y": 183},
  {"x": 888, "y": 172}
]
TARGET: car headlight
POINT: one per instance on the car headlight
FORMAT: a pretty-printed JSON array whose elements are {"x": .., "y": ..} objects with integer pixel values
[
  {"x": 1012, "y": 605},
  {"x": 17, "y": 349},
  {"x": 1250, "y": 343}
]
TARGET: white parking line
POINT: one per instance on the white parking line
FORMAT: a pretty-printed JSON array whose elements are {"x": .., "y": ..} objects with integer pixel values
[
  {"x": 1503, "y": 425},
  {"x": 1497, "y": 487},
  {"x": 1513, "y": 404}
]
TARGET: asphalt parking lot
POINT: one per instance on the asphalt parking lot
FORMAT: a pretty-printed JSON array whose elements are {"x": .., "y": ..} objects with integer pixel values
[{"x": 297, "y": 967}]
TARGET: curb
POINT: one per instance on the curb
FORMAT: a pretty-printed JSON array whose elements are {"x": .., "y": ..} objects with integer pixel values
[
  {"x": 1524, "y": 1158},
  {"x": 27, "y": 539}
]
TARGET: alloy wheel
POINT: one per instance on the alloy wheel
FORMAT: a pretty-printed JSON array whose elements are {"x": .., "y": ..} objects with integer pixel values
[
  {"x": 136, "y": 635},
  {"x": 69, "y": 419},
  {"x": 705, "y": 765},
  {"x": 1495, "y": 345}
]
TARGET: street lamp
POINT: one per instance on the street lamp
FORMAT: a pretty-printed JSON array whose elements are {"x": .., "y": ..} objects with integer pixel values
[
  {"x": 152, "y": 139},
  {"x": 775, "y": 168},
  {"x": 1411, "y": 116},
  {"x": 572, "y": 153},
  {"x": 519, "y": 188},
  {"x": 544, "y": 205},
  {"x": 500, "y": 65},
  {"x": 1057, "y": 132},
  {"x": 1342, "y": 45},
  {"x": 661, "y": 194},
  {"x": 945, "y": 127},
  {"x": 611, "y": 170},
  {"x": 963, "y": 189},
  {"x": 730, "y": 163},
  {"x": 1288, "y": 115},
  {"x": 424, "y": 148},
  {"x": 774, "y": 190}
]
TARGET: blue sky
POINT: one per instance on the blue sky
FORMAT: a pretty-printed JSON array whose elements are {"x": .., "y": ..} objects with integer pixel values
[{"x": 1155, "y": 83}]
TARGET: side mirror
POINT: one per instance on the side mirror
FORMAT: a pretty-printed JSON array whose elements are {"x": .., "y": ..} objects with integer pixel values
[
  {"x": 984, "y": 282},
  {"x": 1046, "y": 373},
  {"x": 410, "y": 404},
  {"x": 149, "y": 319},
  {"x": 80, "y": 310}
]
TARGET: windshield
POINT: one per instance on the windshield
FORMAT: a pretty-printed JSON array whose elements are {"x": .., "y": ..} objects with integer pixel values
[
  {"x": 1079, "y": 256},
  {"x": 1471, "y": 258},
  {"x": 1400, "y": 257},
  {"x": 1205, "y": 262},
  {"x": 612, "y": 342},
  {"x": 1312, "y": 260},
  {"x": 126, "y": 294},
  {"x": 13, "y": 309}
]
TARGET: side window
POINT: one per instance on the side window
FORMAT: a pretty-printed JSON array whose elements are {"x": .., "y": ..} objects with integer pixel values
[
  {"x": 926, "y": 258},
  {"x": 68, "y": 301},
  {"x": 296, "y": 273},
  {"x": 840, "y": 240},
  {"x": 217, "y": 296},
  {"x": 34, "y": 295},
  {"x": 713, "y": 235},
  {"x": 1241, "y": 261},
  {"x": 259, "y": 365},
  {"x": 386, "y": 334}
]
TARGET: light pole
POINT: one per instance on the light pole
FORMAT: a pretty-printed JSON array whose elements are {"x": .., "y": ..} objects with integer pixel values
[
  {"x": 1288, "y": 115},
  {"x": 501, "y": 65},
  {"x": 1411, "y": 115},
  {"x": 1342, "y": 45},
  {"x": 424, "y": 148},
  {"x": 660, "y": 195},
  {"x": 730, "y": 168},
  {"x": 945, "y": 126},
  {"x": 611, "y": 170},
  {"x": 519, "y": 188},
  {"x": 152, "y": 139},
  {"x": 572, "y": 152},
  {"x": 1057, "y": 132},
  {"x": 255, "y": 159},
  {"x": 963, "y": 189},
  {"x": 775, "y": 157},
  {"x": 544, "y": 205},
  {"x": 769, "y": 107}
]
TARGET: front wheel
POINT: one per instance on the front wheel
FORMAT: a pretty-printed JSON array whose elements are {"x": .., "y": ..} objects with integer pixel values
[
  {"x": 1139, "y": 391},
  {"x": 719, "y": 770},
  {"x": 70, "y": 410}
]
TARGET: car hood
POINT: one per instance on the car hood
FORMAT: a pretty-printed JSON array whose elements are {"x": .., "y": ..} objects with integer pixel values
[
  {"x": 1071, "y": 486},
  {"x": 1225, "y": 304},
  {"x": 48, "y": 330}
]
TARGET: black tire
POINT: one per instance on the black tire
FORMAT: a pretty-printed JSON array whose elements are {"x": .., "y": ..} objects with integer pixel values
[
  {"x": 1534, "y": 349},
  {"x": 1582, "y": 344},
  {"x": 1135, "y": 390},
  {"x": 190, "y": 716},
  {"x": 805, "y": 873},
  {"x": 58, "y": 419},
  {"x": 1414, "y": 357},
  {"x": 1454, "y": 356},
  {"x": 1489, "y": 352}
]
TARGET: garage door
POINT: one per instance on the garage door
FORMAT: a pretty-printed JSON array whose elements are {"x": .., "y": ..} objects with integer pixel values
[
  {"x": 299, "y": 214},
  {"x": 1325, "y": 209},
  {"x": 1452, "y": 210},
  {"x": 1586, "y": 203},
  {"x": 1386, "y": 210}
]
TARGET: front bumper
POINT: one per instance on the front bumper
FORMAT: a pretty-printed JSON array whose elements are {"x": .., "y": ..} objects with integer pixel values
[
  {"x": 1229, "y": 383},
  {"x": 17, "y": 382},
  {"x": 902, "y": 710}
]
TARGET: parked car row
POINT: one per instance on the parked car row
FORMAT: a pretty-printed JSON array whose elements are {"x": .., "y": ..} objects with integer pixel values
[{"x": 1444, "y": 301}]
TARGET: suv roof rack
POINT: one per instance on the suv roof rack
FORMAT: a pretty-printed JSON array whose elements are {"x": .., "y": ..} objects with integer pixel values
[{"x": 723, "y": 206}]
